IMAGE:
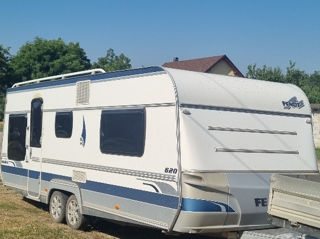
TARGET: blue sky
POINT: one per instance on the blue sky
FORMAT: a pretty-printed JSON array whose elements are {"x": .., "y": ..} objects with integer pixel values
[{"x": 270, "y": 32}]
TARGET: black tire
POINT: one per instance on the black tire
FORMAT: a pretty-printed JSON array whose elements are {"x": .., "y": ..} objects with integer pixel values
[
  {"x": 74, "y": 217},
  {"x": 57, "y": 206}
]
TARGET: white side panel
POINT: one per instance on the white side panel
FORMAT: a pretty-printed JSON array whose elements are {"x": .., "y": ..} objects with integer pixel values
[
  {"x": 235, "y": 92},
  {"x": 271, "y": 142},
  {"x": 152, "y": 89},
  {"x": 160, "y": 148},
  {"x": 145, "y": 90},
  {"x": 4, "y": 142}
]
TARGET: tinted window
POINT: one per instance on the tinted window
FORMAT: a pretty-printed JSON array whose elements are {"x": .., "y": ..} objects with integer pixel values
[
  {"x": 63, "y": 124},
  {"x": 17, "y": 137},
  {"x": 122, "y": 132},
  {"x": 36, "y": 123}
]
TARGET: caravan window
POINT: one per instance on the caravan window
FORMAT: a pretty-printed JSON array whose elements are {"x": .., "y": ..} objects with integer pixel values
[
  {"x": 36, "y": 123},
  {"x": 122, "y": 132},
  {"x": 17, "y": 137},
  {"x": 63, "y": 124}
]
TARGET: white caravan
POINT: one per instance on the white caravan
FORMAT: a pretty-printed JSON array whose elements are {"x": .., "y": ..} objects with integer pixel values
[{"x": 176, "y": 150}]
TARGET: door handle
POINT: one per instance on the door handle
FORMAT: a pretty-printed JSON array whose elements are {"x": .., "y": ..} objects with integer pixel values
[
  {"x": 26, "y": 157},
  {"x": 30, "y": 153}
]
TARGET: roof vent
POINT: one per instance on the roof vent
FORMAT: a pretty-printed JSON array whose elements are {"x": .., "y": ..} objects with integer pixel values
[{"x": 83, "y": 92}]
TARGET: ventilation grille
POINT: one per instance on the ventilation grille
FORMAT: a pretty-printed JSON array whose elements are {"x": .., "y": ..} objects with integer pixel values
[
  {"x": 79, "y": 176},
  {"x": 83, "y": 92}
]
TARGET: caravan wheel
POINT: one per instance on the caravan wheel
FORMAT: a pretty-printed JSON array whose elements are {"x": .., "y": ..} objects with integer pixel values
[
  {"x": 74, "y": 217},
  {"x": 57, "y": 206}
]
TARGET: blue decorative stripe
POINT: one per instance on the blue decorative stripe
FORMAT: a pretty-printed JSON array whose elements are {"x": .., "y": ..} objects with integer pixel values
[
  {"x": 14, "y": 170},
  {"x": 198, "y": 205},
  {"x": 34, "y": 174},
  {"x": 129, "y": 193},
  {"x": 84, "y": 133},
  {"x": 134, "y": 194},
  {"x": 49, "y": 176},
  {"x": 73, "y": 80},
  {"x": 188, "y": 204}
]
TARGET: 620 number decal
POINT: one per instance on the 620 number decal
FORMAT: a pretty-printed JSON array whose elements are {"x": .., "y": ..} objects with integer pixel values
[{"x": 171, "y": 170}]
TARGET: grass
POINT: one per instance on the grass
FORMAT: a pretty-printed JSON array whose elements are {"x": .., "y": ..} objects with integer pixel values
[
  {"x": 318, "y": 153},
  {"x": 21, "y": 218},
  {"x": 25, "y": 219}
]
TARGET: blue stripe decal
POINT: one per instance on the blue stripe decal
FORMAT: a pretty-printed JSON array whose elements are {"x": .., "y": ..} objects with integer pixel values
[
  {"x": 14, "y": 170},
  {"x": 49, "y": 176},
  {"x": 188, "y": 204},
  {"x": 124, "y": 192},
  {"x": 73, "y": 80},
  {"x": 134, "y": 194},
  {"x": 34, "y": 174},
  {"x": 198, "y": 205},
  {"x": 119, "y": 191}
]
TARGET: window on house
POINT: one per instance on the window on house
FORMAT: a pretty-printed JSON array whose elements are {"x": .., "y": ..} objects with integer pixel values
[
  {"x": 122, "y": 132},
  {"x": 63, "y": 124},
  {"x": 36, "y": 122},
  {"x": 17, "y": 137}
]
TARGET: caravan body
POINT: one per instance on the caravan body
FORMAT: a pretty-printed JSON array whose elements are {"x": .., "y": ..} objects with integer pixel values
[{"x": 172, "y": 149}]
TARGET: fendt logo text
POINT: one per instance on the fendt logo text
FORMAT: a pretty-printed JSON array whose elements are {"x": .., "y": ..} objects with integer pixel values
[{"x": 293, "y": 103}]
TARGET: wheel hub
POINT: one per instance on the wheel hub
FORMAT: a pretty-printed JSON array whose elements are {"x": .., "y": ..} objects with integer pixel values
[
  {"x": 73, "y": 212},
  {"x": 56, "y": 207}
]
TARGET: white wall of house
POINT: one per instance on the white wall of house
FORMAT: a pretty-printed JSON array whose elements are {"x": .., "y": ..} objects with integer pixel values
[
  {"x": 316, "y": 128},
  {"x": 222, "y": 68}
]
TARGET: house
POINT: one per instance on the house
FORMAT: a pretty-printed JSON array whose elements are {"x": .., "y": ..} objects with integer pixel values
[
  {"x": 315, "y": 108},
  {"x": 215, "y": 64}
]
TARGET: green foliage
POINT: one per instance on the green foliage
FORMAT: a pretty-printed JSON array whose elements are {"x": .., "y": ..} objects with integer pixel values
[
  {"x": 7, "y": 76},
  {"x": 265, "y": 73},
  {"x": 318, "y": 153},
  {"x": 2, "y": 104},
  {"x": 112, "y": 62},
  {"x": 42, "y": 58},
  {"x": 4, "y": 66},
  {"x": 309, "y": 83},
  {"x": 6, "y": 71}
]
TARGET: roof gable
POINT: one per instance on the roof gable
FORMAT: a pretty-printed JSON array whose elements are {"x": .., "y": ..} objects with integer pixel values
[{"x": 202, "y": 64}]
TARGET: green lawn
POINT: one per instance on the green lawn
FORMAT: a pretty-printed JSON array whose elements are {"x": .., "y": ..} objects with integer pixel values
[{"x": 318, "y": 153}]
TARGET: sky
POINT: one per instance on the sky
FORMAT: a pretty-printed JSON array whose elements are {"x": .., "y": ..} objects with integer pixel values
[{"x": 152, "y": 32}]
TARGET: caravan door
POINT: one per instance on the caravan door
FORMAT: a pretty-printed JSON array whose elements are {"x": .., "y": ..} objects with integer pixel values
[{"x": 34, "y": 156}]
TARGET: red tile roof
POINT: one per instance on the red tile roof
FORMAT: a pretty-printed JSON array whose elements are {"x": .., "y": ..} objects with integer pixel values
[{"x": 201, "y": 64}]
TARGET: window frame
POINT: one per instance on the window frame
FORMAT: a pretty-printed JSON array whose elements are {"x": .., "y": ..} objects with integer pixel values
[
  {"x": 61, "y": 113},
  {"x": 35, "y": 140},
  {"x": 9, "y": 140},
  {"x": 141, "y": 140}
]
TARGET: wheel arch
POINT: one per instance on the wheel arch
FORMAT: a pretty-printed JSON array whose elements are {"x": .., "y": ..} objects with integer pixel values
[{"x": 67, "y": 187}]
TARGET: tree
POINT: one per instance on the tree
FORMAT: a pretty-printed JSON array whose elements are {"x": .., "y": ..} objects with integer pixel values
[
  {"x": 310, "y": 84},
  {"x": 112, "y": 62},
  {"x": 312, "y": 89},
  {"x": 6, "y": 72},
  {"x": 6, "y": 76},
  {"x": 295, "y": 76},
  {"x": 265, "y": 73},
  {"x": 42, "y": 58}
]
